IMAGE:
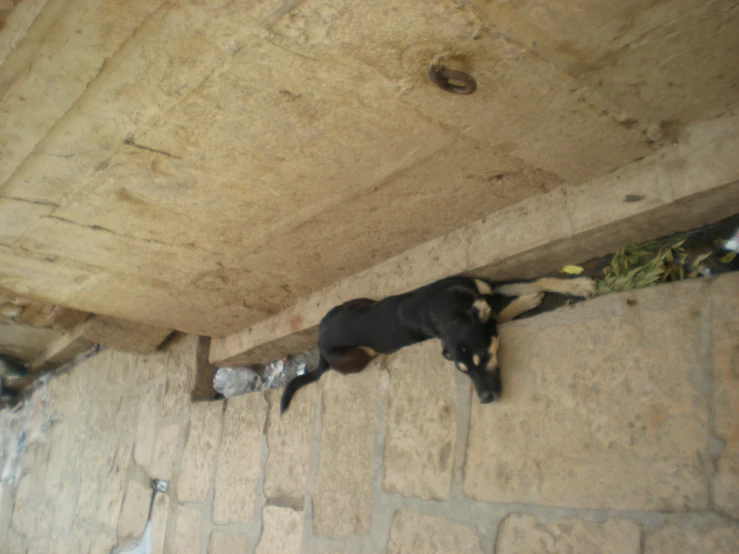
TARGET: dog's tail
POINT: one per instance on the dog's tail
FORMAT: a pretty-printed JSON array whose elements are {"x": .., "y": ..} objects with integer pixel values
[{"x": 300, "y": 381}]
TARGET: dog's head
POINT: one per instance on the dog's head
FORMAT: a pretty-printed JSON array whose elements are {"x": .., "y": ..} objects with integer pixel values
[{"x": 472, "y": 344}]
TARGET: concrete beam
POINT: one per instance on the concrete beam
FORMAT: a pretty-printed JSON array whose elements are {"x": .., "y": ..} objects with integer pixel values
[{"x": 690, "y": 184}]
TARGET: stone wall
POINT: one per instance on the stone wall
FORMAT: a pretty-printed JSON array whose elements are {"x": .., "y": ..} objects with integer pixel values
[{"x": 617, "y": 433}]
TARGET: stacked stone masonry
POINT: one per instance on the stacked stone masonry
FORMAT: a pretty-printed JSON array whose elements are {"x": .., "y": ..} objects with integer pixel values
[{"x": 618, "y": 433}]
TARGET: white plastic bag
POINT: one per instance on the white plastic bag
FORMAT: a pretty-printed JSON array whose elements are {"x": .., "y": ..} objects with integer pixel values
[{"x": 232, "y": 381}]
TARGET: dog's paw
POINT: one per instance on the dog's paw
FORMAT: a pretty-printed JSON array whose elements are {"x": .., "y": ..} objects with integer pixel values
[
  {"x": 530, "y": 301},
  {"x": 582, "y": 286}
]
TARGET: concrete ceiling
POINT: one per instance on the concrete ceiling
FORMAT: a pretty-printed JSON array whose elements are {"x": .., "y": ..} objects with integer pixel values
[{"x": 201, "y": 164}]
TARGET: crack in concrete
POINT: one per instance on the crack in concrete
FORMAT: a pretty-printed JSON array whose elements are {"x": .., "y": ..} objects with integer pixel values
[
  {"x": 130, "y": 142},
  {"x": 27, "y": 201}
]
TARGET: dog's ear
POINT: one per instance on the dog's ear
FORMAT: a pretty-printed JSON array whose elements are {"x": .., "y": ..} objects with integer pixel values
[{"x": 446, "y": 354}]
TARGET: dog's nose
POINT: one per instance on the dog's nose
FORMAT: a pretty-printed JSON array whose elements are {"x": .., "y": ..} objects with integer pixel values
[{"x": 486, "y": 397}]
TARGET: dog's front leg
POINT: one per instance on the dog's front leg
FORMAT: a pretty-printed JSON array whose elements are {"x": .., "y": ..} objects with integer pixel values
[
  {"x": 520, "y": 305},
  {"x": 581, "y": 286}
]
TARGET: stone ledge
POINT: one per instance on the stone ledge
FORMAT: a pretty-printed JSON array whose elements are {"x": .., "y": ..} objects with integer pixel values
[
  {"x": 116, "y": 333},
  {"x": 682, "y": 187}
]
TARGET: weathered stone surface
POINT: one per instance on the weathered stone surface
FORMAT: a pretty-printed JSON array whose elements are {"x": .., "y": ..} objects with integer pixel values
[
  {"x": 123, "y": 334},
  {"x": 187, "y": 531},
  {"x": 128, "y": 413},
  {"x": 524, "y": 534},
  {"x": 421, "y": 423},
  {"x": 24, "y": 512},
  {"x": 289, "y": 440},
  {"x": 101, "y": 543},
  {"x": 79, "y": 540},
  {"x": 134, "y": 199},
  {"x": 166, "y": 451},
  {"x": 343, "y": 498},
  {"x": 201, "y": 450},
  {"x": 239, "y": 459},
  {"x": 282, "y": 531},
  {"x": 94, "y": 462},
  {"x": 44, "y": 519},
  {"x": 178, "y": 362},
  {"x": 617, "y": 55},
  {"x": 674, "y": 538},
  {"x": 725, "y": 334},
  {"x": 228, "y": 543},
  {"x": 159, "y": 519},
  {"x": 603, "y": 406},
  {"x": 58, "y": 451},
  {"x": 146, "y": 425},
  {"x": 66, "y": 506},
  {"x": 14, "y": 542},
  {"x": 412, "y": 532},
  {"x": 113, "y": 486},
  {"x": 135, "y": 511}
]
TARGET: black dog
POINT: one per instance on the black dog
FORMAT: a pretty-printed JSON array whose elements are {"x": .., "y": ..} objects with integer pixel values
[{"x": 461, "y": 311}]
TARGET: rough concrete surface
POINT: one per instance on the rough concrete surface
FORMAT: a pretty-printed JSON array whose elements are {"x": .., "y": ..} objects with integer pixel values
[
  {"x": 202, "y": 165},
  {"x": 614, "y": 435}
]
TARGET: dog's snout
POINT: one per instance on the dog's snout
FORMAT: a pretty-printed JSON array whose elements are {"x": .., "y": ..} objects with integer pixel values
[{"x": 486, "y": 397}]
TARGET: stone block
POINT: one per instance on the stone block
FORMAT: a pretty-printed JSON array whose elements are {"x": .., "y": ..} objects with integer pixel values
[
  {"x": 421, "y": 423},
  {"x": 159, "y": 520},
  {"x": 282, "y": 531},
  {"x": 674, "y": 538},
  {"x": 124, "y": 334},
  {"x": 14, "y": 542},
  {"x": 166, "y": 452},
  {"x": 44, "y": 519},
  {"x": 725, "y": 354},
  {"x": 412, "y": 532},
  {"x": 26, "y": 504},
  {"x": 123, "y": 368},
  {"x": 94, "y": 462},
  {"x": 222, "y": 542},
  {"x": 128, "y": 413},
  {"x": 343, "y": 498},
  {"x": 135, "y": 511},
  {"x": 239, "y": 459},
  {"x": 66, "y": 506},
  {"x": 146, "y": 425},
  {"x": 524, "y": 534},
  {"x": 201, "y": 450},
  {"x": 101, "y": 543},
  {"x": 80, "y": 540},
  {"x": 113, "y": 483},
  {"x": 188, "y": 526},
  {"x": 599, "y": 412},
  {"x": 58, "y": 451},
  {"x": 178, "y": 362},
  {"x": 289, "y": 441}
]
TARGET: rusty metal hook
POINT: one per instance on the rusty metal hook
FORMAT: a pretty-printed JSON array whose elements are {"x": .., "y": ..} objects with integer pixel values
[{"x": 441, "y": 76}]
